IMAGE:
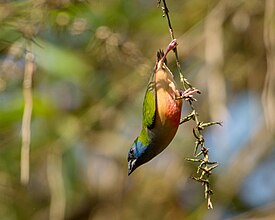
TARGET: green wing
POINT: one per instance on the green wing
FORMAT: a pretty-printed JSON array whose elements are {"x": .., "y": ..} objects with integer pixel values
[
  {"x": 149, "y": 104},
  {"x": 150, "y": 100}
]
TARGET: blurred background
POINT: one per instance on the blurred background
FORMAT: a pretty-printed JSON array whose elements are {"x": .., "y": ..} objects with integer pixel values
[{"x": 89, "y": 63}]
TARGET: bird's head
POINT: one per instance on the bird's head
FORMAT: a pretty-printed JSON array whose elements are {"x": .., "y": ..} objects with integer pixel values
[{"x": 135, "y": 156}]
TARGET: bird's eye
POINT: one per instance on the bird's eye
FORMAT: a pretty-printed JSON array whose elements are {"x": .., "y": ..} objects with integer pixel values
[{"x": 131, "y": 151}]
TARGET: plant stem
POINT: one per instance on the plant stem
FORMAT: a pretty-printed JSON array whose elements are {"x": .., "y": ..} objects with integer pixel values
[{"x": 204, "y": 169}]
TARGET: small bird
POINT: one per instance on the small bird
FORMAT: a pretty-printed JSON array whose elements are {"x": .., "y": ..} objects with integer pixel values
[{"x": 161, "y": 113}]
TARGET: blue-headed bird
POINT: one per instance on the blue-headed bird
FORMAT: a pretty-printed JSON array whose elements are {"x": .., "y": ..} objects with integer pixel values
[{"x": 161, "y": 113}]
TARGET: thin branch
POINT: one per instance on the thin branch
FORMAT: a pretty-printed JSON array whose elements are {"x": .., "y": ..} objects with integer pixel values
[
  {"x": 26, "y": 121},
  {"x": 165, "y": 10},
  {"x": 204, "y": 169}
]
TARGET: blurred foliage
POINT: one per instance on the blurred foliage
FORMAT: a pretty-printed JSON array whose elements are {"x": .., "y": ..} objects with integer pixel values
[{"x": 92, "y": 63}]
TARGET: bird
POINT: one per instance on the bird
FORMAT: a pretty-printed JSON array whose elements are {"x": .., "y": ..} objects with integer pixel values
[{"x": 161, "y": 113}]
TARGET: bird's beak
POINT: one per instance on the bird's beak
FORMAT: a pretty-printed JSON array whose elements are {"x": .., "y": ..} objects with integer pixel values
[{"x": 131, "y": 166}]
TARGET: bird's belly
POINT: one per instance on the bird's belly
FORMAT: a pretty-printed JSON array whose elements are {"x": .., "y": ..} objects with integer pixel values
[
  {"x": 167, "y": 119},
  {"x": 168, "y": 109}
]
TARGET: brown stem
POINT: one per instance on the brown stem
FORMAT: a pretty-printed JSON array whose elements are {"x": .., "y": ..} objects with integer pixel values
[
  {"x": 26, "y": 122},
  {"x": 165, "y": 10},
  {"x": 204, "y": 168}
]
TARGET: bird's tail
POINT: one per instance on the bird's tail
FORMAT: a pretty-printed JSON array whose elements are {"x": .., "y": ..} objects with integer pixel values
[{"x": 160, "y": 54}]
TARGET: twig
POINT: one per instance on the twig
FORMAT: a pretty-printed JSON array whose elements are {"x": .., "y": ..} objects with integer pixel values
[
  {"x": 26, "y": 121},
  {"x": 165, "y": 11},
  {"x": 204, "y": 169}
]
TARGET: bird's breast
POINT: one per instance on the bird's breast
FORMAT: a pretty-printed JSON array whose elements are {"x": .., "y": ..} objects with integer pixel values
[
  {"x": 168, "y": 107},
  {"x": 168, "y": 111}
]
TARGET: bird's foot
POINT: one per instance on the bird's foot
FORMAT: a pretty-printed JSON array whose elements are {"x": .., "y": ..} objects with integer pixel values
[
  {"x": 188, "y": 94},
  {"x": 173, "y": 44}
]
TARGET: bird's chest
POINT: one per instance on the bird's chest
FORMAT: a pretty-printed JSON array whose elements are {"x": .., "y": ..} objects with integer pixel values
[
  {"x": 168, "y": 108},
  {"x": 168, "y": 115},
  {"x": 168, "y": 112}
]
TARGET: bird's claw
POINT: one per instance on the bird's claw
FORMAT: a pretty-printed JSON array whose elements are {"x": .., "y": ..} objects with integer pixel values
[
  {"x": 173, "y": 44},
  {"x": 188, "y": 94}
]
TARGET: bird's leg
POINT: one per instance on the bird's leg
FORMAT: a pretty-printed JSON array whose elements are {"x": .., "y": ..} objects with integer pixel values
[{"x": 170, "y": 47}]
